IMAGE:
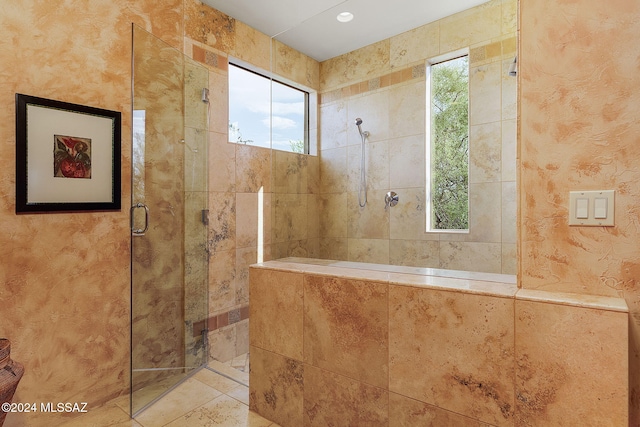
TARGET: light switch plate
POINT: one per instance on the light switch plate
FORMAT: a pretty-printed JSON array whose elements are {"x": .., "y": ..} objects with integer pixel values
[{"x": 599, "y": 208}]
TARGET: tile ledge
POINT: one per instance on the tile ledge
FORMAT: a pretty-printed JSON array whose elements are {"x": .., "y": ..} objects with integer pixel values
[
  {"x": 450, "y": 280},
  {"x": 576, "y": 300},
  {"x": 498, "y": 285},
  {"x": 454, "y": 284},
  {"x": 321, "y": 269},
  {"x": 304, "y": 264}
]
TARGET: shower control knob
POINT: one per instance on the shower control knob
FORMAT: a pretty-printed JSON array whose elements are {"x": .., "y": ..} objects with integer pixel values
[{"x": 391, "y": 199}]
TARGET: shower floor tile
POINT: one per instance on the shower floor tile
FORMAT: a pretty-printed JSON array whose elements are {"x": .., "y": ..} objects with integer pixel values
[
  {"x": 240, "y": 363},
  {"x": 205, "y": 399},
  {"x": 240, "y": 374}
]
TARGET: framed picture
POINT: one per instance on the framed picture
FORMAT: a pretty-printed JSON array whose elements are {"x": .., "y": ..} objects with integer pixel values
[{"x": 67, "y": 156}]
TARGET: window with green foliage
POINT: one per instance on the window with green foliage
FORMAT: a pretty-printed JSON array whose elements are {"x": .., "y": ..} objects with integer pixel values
[
  {"x": 448, "y": 156},
  {"x": 266, "y": 112}
]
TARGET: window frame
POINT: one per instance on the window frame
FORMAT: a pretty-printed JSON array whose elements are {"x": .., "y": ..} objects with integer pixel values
[
  {"x": 307, "y": 94},
  {"x": 429, "y": 141}
]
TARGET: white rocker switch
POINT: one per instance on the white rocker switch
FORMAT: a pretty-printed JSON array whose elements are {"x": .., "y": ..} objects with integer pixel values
[
  {"x": 600, "y": 208},
  {"x": 592, "y": 208},
  {"x": 582, "y": 208}
]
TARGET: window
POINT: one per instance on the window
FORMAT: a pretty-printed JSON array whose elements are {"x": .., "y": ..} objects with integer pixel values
[
  {"x": 267, "y": 113},
  {"x": 448, "y": 154}
]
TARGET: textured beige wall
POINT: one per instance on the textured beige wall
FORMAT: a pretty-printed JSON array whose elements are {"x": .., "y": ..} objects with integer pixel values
[
  {"x": 64, "y": 278},
  {"x": 580, "y": 131}
]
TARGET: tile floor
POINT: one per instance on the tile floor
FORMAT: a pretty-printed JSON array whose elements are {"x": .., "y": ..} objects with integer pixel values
[
  {"x": 240, "y": 363},
  {"x": 205, "y": 399}
]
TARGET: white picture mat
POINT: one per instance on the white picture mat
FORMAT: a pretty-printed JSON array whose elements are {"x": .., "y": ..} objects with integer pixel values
[{"x": 42, "y": 187}]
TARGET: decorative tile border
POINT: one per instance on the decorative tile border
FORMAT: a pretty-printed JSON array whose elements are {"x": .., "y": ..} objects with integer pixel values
[
  {"x": 477, "y": 55},
  {"x": 390, "y": 79},
  {"x": 210, "y": 58},
  {"x": 493, "y": 51},
  {"x": 221, "y": 320}
]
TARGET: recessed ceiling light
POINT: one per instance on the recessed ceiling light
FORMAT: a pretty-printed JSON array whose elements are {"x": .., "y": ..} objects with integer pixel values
[{"x": 345, "y": 16}]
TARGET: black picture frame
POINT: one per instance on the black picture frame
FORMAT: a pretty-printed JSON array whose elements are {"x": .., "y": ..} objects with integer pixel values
[{"x": 67, "y": 156}]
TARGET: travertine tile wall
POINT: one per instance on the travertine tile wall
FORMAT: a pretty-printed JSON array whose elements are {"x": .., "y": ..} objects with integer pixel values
[
  {"x": 262, "y": 203},
  {"x": 384, "y": 84},
  {"x": 349, "y": 346},
  {"x": 295, "y": 229},
  {"x": 196, "y": 161}
]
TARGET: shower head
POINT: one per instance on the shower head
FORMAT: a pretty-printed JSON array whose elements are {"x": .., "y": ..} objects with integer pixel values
[{"x": 358, "y": 123}]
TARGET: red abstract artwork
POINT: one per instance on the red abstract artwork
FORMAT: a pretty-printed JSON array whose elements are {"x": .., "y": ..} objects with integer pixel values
[{"x": 72, "y": 157}]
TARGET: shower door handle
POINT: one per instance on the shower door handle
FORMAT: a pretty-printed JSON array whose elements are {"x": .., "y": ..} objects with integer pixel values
[{"x": 139, "y": 231}]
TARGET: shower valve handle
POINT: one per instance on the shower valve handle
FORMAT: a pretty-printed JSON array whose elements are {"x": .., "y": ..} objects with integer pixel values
[{"x": 391, "y": 199}]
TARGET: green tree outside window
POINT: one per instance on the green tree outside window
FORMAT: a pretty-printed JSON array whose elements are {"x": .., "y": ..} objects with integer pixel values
[{"x": 450, "y": 144}]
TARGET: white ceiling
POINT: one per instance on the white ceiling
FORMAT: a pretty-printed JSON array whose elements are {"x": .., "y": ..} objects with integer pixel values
[{"x": 311, "y": 27}]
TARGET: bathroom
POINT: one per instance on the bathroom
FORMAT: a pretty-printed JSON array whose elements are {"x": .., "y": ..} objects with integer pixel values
[{"x": 574, "y": 134}]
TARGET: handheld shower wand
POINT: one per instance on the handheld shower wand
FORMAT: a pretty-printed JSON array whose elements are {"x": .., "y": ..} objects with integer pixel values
[
  {"x": 362, "y": 190},
  {"x": 358, "y": 123}
]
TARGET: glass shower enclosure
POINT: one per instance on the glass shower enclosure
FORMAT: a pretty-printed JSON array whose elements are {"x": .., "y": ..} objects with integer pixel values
[{"x": 169, "y": 261}]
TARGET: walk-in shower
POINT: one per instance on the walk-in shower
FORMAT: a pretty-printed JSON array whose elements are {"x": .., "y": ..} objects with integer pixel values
[{"x": 362, "y": 189}]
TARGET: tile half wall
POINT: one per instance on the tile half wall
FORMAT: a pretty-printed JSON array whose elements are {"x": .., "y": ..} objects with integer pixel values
[{"x": 348, "y": 346}]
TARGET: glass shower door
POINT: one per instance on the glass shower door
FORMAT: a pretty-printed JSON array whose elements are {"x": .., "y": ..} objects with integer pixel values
[{"x": 168, "y": 218}]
